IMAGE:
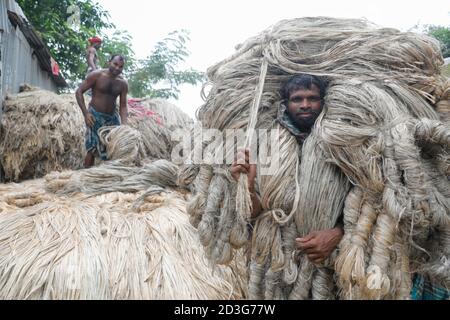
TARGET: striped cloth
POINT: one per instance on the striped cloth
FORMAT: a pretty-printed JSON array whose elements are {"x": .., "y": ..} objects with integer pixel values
[
  {"x": 424, "y": 289},
  {"x": 93, "y": 142}
]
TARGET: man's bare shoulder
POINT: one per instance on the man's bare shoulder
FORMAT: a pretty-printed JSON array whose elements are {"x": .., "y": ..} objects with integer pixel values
[
  {"x": 122, "y": 81},
  {"x": 101, "y": 73},
  {"x": 94, "y": 75}
]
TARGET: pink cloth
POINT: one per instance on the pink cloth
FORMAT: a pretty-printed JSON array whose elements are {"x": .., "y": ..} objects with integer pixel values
[
  {"x": 95, "y": 40},
  {"x": 55, "y": 67},
  {"x": 140, "y": 111}
]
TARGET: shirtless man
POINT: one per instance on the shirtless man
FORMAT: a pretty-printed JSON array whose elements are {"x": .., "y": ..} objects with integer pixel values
[
  {"x": 106, "y": 85},
  {"x": 91, "y": 54}
]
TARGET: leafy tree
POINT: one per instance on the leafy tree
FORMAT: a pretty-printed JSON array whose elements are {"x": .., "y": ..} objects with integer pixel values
[
  {"x": 50, "y": 18},
  {"x": 118, "y": 43},
  {"x": 443, "y": 35},
  {"x": 65, "y": 26},
  {"x": 158, "y": 74}
]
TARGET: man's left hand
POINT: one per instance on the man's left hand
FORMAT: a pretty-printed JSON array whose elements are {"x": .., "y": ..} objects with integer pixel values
[{"x": 319, "y": 245}]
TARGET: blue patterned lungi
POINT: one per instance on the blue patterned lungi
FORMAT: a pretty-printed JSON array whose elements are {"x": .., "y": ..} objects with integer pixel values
[
  {"x": 101, "y": 120},
  {"x": 424, "y": 289}
]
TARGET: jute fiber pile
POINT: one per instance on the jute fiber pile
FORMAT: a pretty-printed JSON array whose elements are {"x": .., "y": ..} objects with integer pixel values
[
  {"x": 123, "y": 143},
  {"x": 116, "y": 231},
  {"x": 40, "y": 132},
  {"x": 171, "y": 116},
  {"x": 104, "y": 244},
  {"x": 157, "y": 120},
  {"x": 114, "y": 176},
  {"x": 379, "y": 153}
]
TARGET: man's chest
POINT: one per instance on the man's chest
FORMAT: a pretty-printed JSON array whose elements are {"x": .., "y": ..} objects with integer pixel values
[{"x": 109, "y": 86}]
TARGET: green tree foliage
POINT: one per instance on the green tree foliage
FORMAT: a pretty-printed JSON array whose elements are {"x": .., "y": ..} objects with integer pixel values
[
  {"x": 158, "y": 75},
  {"x": 443, "y": 35},
  {"x": 67, "y": 45},
  {"x": 155, "y": 76},
  {"x": 118, "y": 43}
]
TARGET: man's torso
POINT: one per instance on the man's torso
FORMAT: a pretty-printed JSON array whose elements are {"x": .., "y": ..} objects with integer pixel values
[
  {"x": 95, "y": 59},
  {"x": 105, "y": 92}
]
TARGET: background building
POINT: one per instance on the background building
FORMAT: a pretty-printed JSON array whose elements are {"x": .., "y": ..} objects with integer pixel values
[{"x": 24, "y": 58}]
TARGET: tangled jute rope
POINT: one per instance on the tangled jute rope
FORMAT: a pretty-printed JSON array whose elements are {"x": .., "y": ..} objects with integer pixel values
[
  {"x": 114, "y": 176},
  {"x": 42, "y": 132},
  {"x": 172, "y": 117},
  {"x": 112, "y": 246},
  {"x": 123, "y": 144},
  {"x": 116, "y": 231},
  {"x": 380, "y": 146}
]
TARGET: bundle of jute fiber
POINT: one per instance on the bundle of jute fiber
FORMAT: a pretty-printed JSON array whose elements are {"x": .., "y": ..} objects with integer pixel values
[
  {"x": 21, "y": 195},
  {"x": 172, "y": 117},
  {"x": 397, "y": 224},
  {"x": 156, "y": 120},
  {"x": 114, "y": 176},
  {"x": 123, "y": 143},
  {"x": 40, "y": 132},
  {"x": 112, "y": 246},
  {"x": 370, "y": 149},
  {"x": 155, "y": 136}
]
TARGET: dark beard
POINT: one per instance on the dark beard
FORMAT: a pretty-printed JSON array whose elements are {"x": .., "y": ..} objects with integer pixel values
[{"x": 305, "y": 124}]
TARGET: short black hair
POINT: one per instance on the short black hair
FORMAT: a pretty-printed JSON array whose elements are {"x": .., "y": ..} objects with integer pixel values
[
  {"x": 303, "y": 81},
  {"x": 121, "y": 57}
]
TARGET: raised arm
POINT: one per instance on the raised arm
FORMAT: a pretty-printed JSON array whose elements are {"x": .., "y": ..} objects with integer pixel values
[{"x": 123, "y": 109}]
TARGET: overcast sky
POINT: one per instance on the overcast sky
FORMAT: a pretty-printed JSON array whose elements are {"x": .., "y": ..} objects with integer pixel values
[{"x": 217, "y": 26}]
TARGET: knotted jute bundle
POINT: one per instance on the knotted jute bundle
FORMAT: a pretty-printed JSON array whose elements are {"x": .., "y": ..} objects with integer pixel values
[
  {"x": 378, "y": 154},
  {"x": 116, "y": 231}
]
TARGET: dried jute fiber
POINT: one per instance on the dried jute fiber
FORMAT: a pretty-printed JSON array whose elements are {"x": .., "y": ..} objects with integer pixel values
[{"x": 378, "y": 154}]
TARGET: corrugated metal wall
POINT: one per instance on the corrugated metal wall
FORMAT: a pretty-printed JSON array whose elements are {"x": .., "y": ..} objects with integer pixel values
[{"x": 18, "y": 64}]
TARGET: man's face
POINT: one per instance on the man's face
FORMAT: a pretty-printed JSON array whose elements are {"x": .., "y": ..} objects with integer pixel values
[
  {"x": 304, "y": 106},
  {"x": 116, "y": 66}
]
